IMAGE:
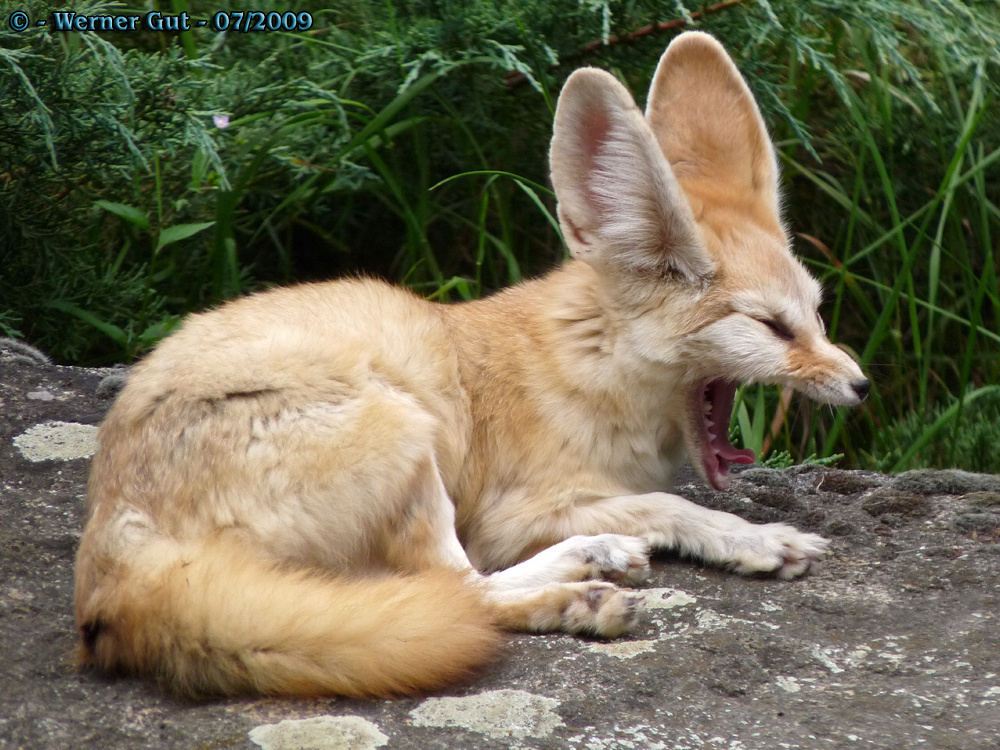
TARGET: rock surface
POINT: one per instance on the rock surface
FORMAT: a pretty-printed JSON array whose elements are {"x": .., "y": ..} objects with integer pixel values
[{"x": 892, "y": 643}]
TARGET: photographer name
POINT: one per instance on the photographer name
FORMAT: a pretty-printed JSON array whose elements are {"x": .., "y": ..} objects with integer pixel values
[{"x": 153, "y": 21}]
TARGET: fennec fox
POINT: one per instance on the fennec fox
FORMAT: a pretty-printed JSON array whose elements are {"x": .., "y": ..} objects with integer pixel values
[{"x": 343, "y": 488}]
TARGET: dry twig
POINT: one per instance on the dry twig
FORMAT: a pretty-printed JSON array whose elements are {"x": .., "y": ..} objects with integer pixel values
[{"x": 514, "y": 79}]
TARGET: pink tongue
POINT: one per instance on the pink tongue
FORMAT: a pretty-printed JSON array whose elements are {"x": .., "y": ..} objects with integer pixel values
[
  {"x": 734, "y": 455},
  {"x": 718, "y": 457}
]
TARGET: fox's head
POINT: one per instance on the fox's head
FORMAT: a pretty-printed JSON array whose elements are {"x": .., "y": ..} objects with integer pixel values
[{"x": 678, "y": 212}]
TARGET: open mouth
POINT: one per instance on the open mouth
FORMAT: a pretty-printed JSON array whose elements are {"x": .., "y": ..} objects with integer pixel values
[{"x": 712, "y": 410}]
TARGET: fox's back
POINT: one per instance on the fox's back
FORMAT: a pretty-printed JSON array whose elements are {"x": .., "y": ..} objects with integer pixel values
[
  {"x": 218, "y": 424},
  {"x": 303, "y": 340}
]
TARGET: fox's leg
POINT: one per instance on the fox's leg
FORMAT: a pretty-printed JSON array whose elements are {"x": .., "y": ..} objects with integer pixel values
[
  {"x": 665, "y": 521},
  {"x": 550, "y": 592},
  {"x": 368, "y": 495},
  {"x": 536, "y": 595},
  {"x": 611, "y": 557}
]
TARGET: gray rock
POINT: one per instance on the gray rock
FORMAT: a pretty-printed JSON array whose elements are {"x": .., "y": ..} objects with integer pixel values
[
  {"x": 892, "y": 642},
  {"x": 764, "y": 477},
  {"x": 848, "y": 482},
  {"x": 112, "y": 384},
  {"x": 948, "y": 482},
  {"x": 885, "y": 502},
  {"x": 978, "y": 522}
]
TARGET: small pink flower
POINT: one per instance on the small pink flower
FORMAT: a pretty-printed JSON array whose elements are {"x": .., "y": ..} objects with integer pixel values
[{"x": 221, "y": 121}]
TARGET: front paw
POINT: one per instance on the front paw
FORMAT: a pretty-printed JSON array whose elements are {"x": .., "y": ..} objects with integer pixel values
[
  {"x": 613, "y": 557},
  {"x": 778, "y": 548}
]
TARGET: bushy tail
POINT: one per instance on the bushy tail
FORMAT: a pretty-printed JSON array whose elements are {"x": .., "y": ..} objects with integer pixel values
[{"x": 225, "y": 621}]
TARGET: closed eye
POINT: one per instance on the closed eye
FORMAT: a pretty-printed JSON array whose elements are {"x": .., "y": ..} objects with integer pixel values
[{"x": 778, "y": 328}]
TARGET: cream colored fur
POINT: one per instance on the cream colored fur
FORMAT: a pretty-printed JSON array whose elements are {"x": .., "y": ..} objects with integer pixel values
[{"x": 342, "y": 488}]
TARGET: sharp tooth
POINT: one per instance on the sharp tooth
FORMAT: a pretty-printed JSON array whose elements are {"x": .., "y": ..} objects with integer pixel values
[{"x": 711, "y": 436}]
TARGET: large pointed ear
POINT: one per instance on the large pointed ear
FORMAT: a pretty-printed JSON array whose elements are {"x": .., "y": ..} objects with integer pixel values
[
  {"x": 708, "y": 124},
  {"x": 619, "y": 203}
]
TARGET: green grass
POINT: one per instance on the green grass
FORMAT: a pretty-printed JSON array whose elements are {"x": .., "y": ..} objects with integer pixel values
[{"x": 911, "y": 292}]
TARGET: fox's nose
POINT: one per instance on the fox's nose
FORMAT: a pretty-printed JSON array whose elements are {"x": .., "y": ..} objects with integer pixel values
[{"x": 861, "y": 387}]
